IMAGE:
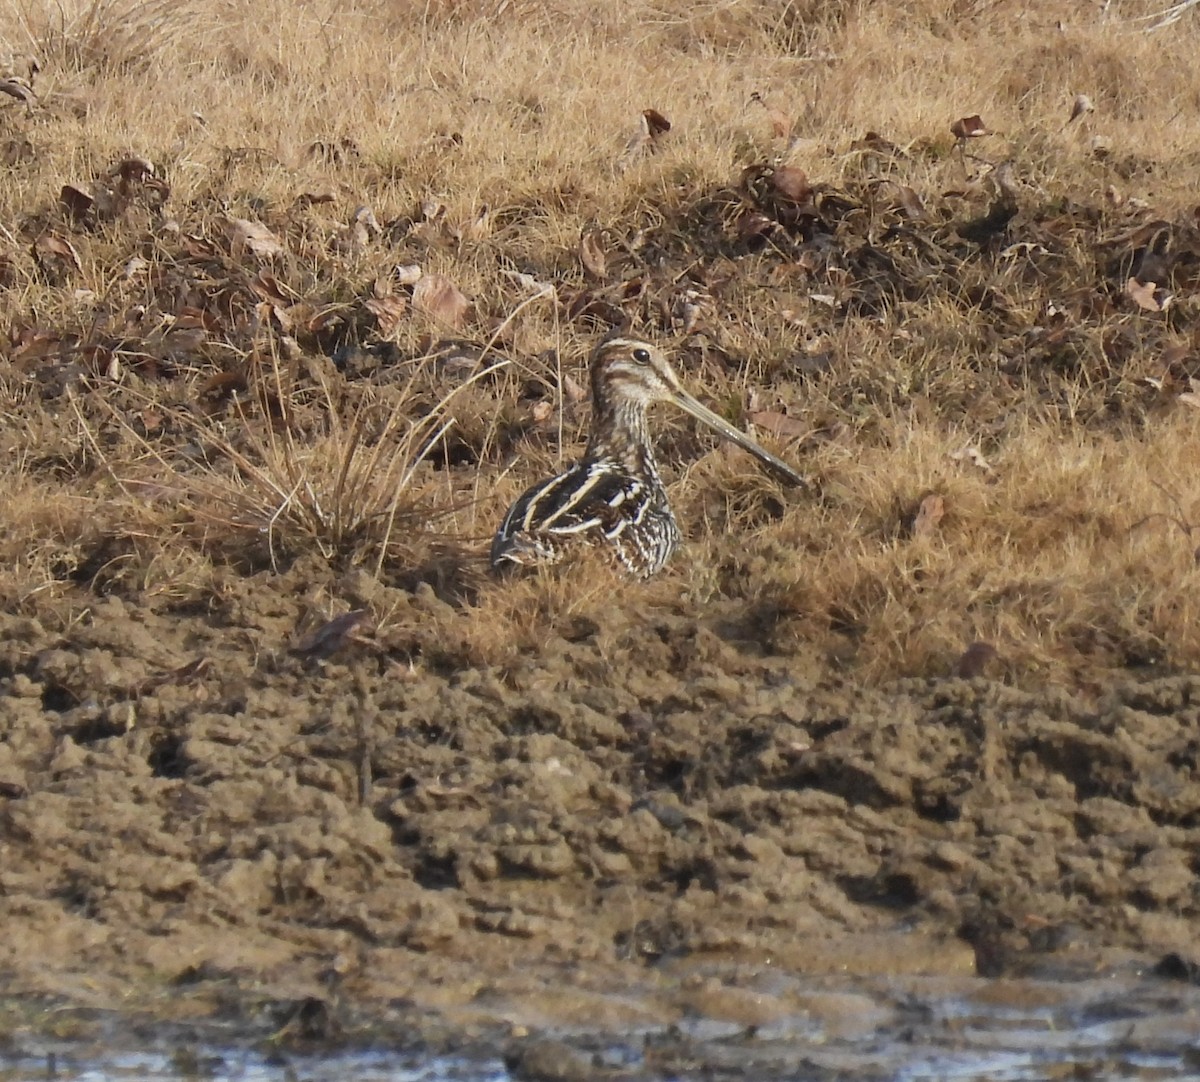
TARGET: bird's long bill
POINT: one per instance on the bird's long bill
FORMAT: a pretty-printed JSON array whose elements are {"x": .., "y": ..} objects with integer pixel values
[{"x": 735, "y": 435}]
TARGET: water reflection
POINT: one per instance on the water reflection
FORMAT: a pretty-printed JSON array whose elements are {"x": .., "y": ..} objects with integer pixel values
[
  {"x": 907, "y": 1029},
  {"x": 79, "y": 1065}
]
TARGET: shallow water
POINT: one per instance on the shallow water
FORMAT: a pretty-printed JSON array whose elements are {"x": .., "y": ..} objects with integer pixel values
[
  {"x": 91, "y": 1065},
  {"x": 908, "y": 1030}
]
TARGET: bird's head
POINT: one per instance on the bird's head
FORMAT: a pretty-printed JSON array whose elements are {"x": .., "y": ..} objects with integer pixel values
[
  {"x": 628, "y": 370},
  {"x": 631, "y": 373}
]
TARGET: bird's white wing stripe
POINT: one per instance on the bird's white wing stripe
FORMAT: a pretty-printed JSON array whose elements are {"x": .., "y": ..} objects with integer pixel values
[
  {"x": 574, "y": 499},
  {"x": 574, "y": 527},
  {"x": 579, "y": 496}
]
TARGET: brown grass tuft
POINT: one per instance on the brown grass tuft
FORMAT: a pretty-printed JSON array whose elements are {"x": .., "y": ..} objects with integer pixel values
[{"x": 106, "y": 36}]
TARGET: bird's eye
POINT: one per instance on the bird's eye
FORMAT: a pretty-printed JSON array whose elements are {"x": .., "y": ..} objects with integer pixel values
[{"x": 642, "y": 356}]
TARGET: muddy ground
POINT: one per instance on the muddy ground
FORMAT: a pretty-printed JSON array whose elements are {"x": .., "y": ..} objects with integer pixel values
[{"x": 192, "y": 808}]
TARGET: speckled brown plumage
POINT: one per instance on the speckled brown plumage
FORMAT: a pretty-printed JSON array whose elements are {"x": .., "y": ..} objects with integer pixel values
[{"x": 613, "y": 495}]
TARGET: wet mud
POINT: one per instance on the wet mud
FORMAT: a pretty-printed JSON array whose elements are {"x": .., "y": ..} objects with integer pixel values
[{"x": 195, "y": 816}]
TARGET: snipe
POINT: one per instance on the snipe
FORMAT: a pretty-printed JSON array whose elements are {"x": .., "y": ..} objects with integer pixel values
[{"x": 613, "y": 496}]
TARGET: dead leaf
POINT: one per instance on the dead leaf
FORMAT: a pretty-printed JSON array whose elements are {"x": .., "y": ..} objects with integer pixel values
[
  {"x": 354, "y": 237},
  {"x": 197, "y": 247},
  {"x": 634, "y": 149},
  {"x": 16, "y": 150},
  {"x": 108, "y": 202},
  {"x": 185, "y": 674},
  {"x": 222, "y": 384},
  {"x": 931, "y": 511},
  {"x": 432, "y": 210},
  {"x": 76, "y": 202},
  {"x": 972, "y": 455},
  {"x": 254, "y": 237},
  {"x": 908, "y": 201},
  {"x": 1191, "y": 397},
  {"x": 541, "y": 411},
  {"x": 285, "y": 317},
  {"x": 132, "y": 169},
  {"x": 592, "y": 254},
  {"x": 330, "y": 637},
  {"x": 652, "y": 125},
  {"x": 587, "y": 303},
  {"x": 792, "y": 183},
  {"x": 534, "y": 286},
  {"x": 435, "y": 295},
  {"x": 875, "y": 143},
  {"x": 974, "y": 660},
  {"x": 53, "y": 249},
  {"x": 480, "y": 227},
  {"x": 1173, "y": 357},
  {"x": 332, "y": 152},
  {"x": 314, "y": 198},
  {"x": 573, "y": 390},
  {"x": 388, "y": 309},
  {"x": 781, "y": 123},
  {"x": 777, "y": 423},
  {"x": 183, "y": 336},
  {"x": 16, "y": 88},
  {"x": 268, "y": 288},
  {"x": 325, "y": 319},
  {"x": 689, "y": 308},
  {"x": 656, "y": 123},
  {"x": 1080, "y": 107},
  {"x": 32, "y": 344},
  {"x": 752, "y": 224},
  {"x": 191, "y": 316},
  {"x": 969, "y": 127},
  {"x": 132, "y": 177},
  {"x": 1148, "y": 295}
]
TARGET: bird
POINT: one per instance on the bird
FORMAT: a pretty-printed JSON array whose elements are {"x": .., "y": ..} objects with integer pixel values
[{"x": 614, "y": 496}]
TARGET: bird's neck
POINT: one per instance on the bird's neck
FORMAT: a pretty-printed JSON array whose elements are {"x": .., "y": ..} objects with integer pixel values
[{"x": 620, "y": 436}]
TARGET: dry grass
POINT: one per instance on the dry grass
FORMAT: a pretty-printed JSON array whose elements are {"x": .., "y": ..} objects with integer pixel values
[{"x": 156, "y": 443}]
